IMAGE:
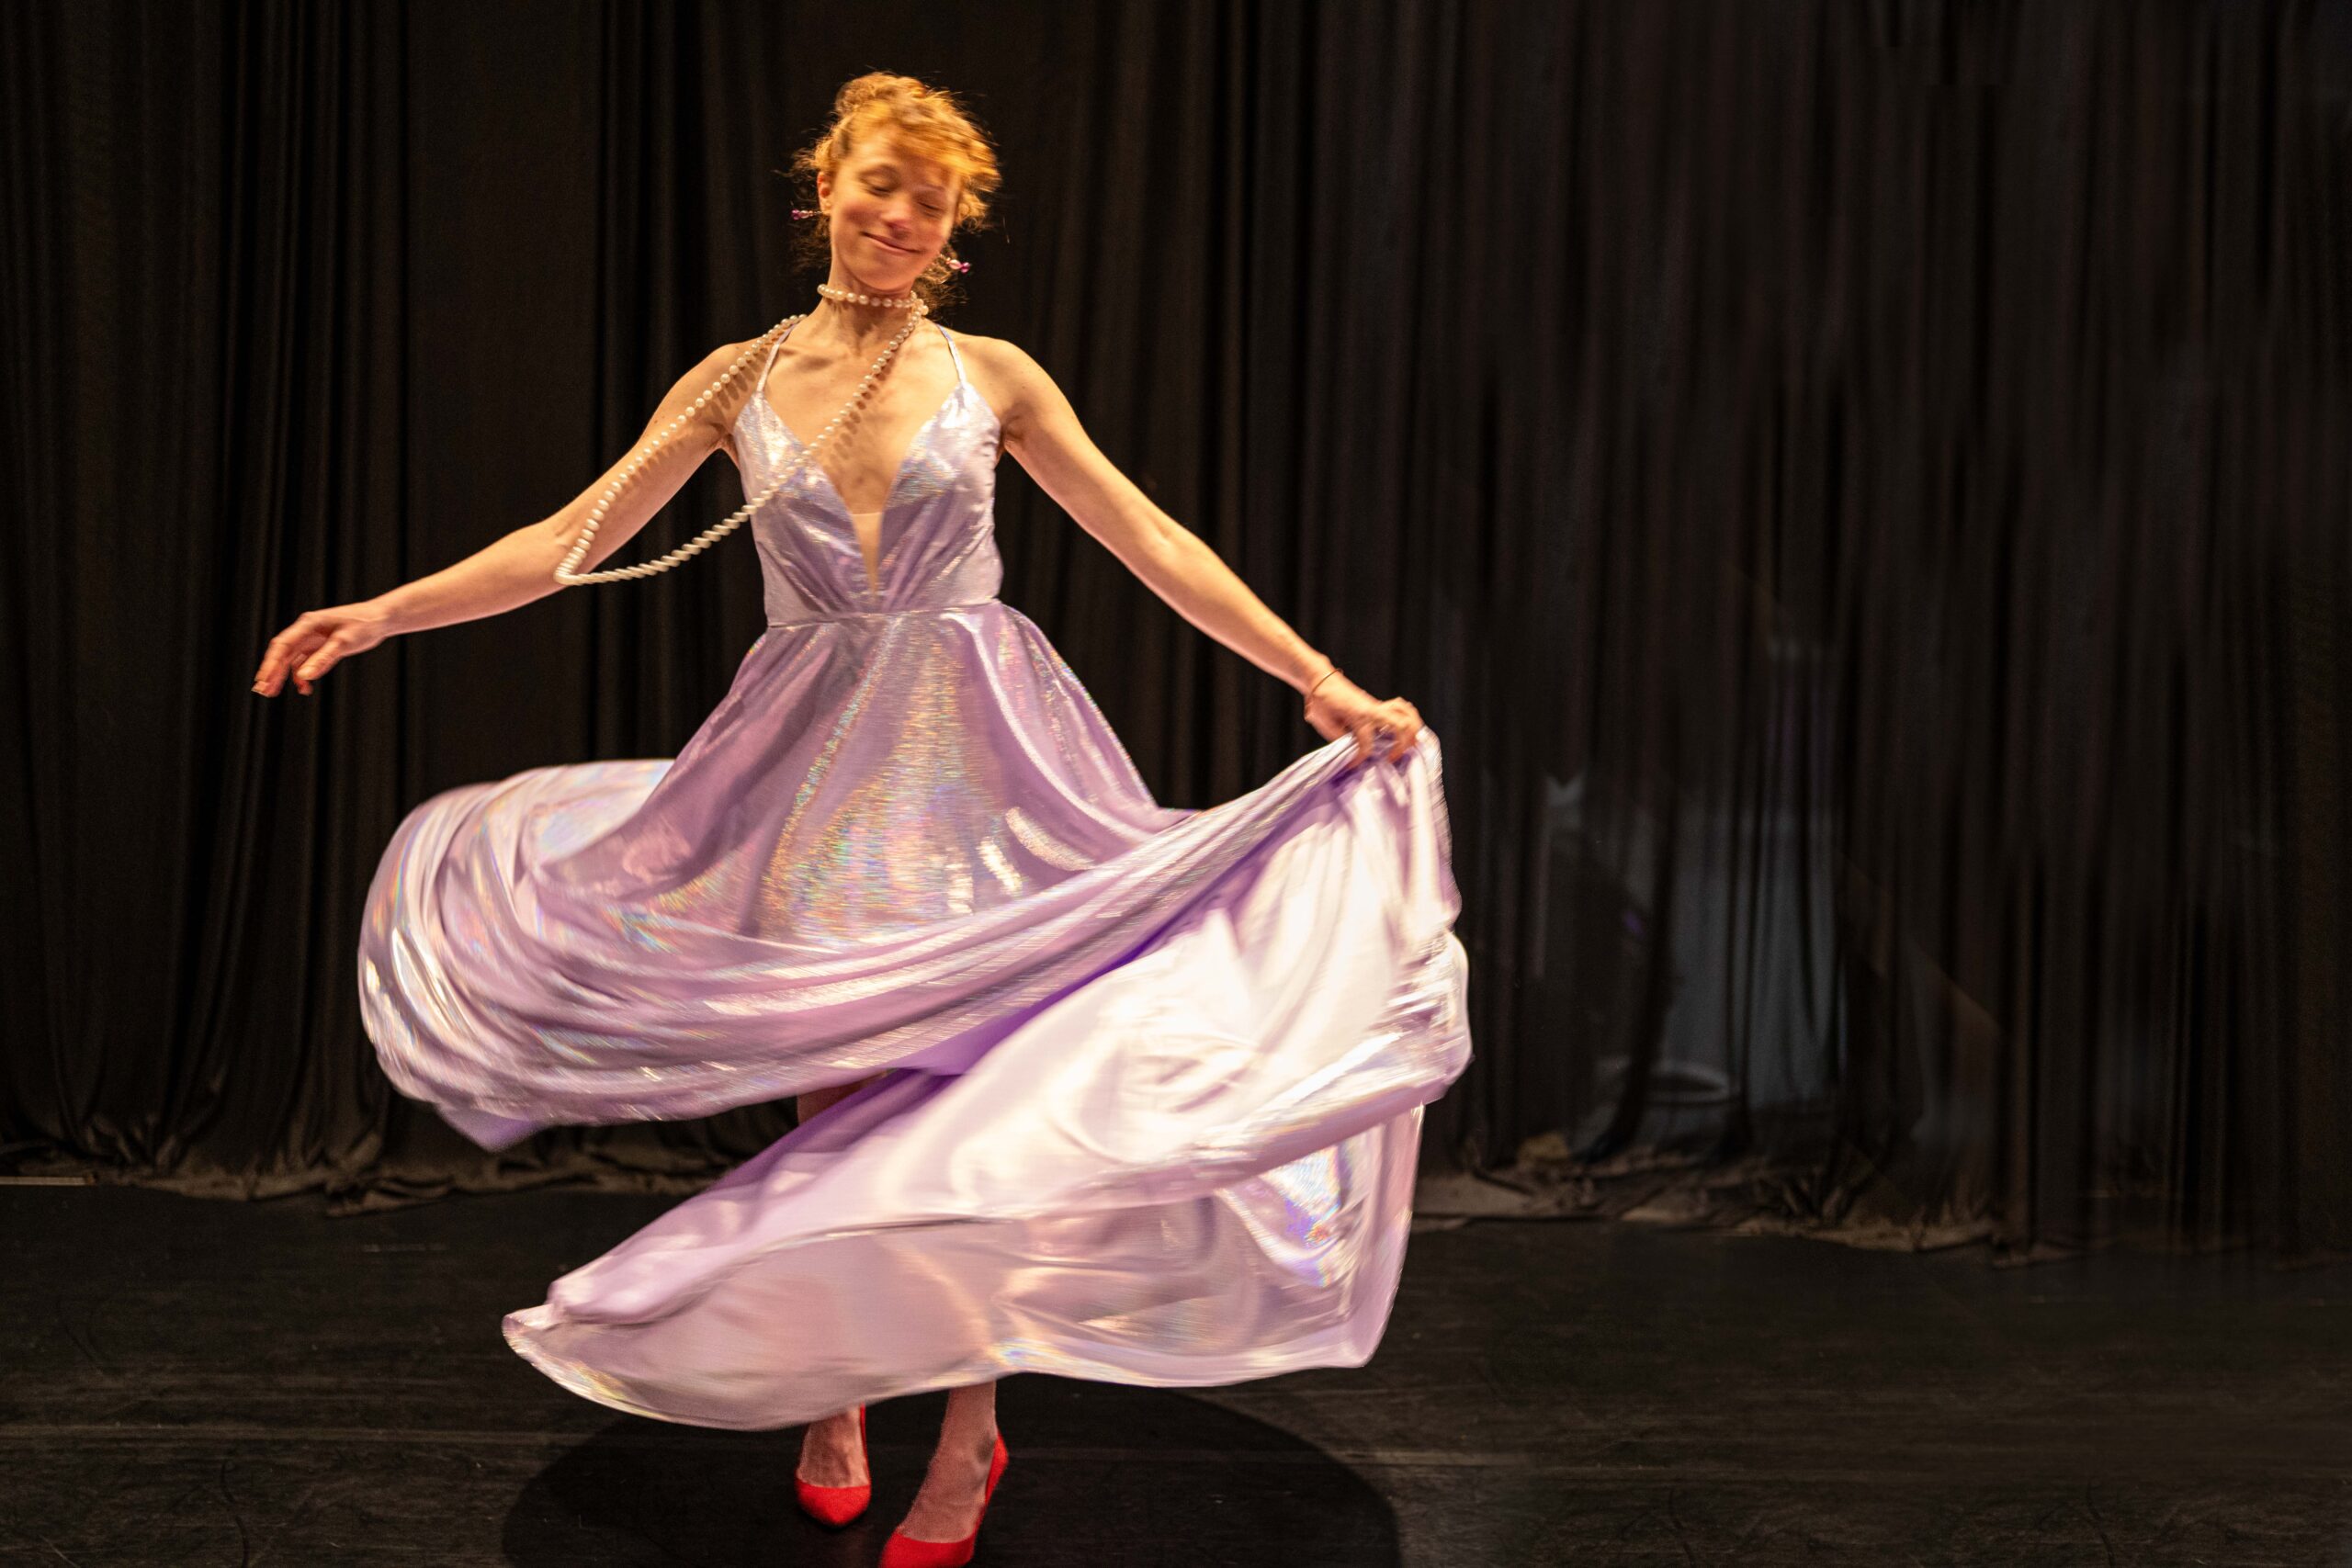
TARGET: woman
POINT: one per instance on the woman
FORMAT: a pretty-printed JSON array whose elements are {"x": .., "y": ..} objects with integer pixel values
[{"x": 1086, "y": 1085}]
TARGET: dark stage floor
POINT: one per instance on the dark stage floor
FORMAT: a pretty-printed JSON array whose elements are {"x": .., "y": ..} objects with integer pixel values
[{"x": 193, "y": 1382}]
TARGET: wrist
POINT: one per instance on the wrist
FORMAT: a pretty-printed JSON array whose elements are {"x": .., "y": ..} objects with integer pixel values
[
  {"x": 386, "y": 609},
  {"x": 1311, "y": 669}
]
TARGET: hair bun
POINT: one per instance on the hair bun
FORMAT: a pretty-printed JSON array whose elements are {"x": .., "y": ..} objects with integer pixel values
[{"x": 876, "y": 85}]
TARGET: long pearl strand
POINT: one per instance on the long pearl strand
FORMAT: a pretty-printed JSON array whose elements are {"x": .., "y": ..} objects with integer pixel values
[{"x": 568, "y": 572}]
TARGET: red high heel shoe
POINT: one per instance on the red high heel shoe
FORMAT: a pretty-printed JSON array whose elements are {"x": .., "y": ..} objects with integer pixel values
[
  {"x": 902, "y": 1550},
  {"x": 838, "y": 1505}
]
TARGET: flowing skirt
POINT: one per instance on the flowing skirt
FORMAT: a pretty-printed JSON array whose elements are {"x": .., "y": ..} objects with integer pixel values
[{"x": 1153, "y": 1078}]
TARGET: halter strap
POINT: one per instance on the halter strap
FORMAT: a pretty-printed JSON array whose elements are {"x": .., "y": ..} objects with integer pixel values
[{"x": 767, "y": 365}]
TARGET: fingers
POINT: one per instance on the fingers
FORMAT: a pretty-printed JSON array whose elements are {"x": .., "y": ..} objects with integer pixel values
[
  {"x": 284, "y": 650},
  {"x": 1397, "y": 719},
  {"x": 291, "y": 649},
  {"x": 1408, "y": 727},
  {"x": 330, "y": 653}
]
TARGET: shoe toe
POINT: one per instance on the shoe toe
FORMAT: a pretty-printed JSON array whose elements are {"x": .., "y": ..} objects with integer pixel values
[{"x": 833, "y": 1505}]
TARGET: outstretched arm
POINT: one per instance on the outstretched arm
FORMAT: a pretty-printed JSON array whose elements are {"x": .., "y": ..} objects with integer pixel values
[
  {"x": 519, "y": 567},
  {"x": 1043, "y": 431}
]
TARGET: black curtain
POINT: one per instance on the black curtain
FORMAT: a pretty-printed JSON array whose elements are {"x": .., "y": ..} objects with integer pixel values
[{"x": 1860, "y": 490}]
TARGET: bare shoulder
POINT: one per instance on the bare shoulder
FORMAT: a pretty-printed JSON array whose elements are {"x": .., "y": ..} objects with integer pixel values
[
  {"x": 1016, "y": 384},
  {"x": 703, "y": 376},
  {"x": 725, "y": 353},
  {"x": 999, "y": 357},
  {"x": 696, "y": 397}
]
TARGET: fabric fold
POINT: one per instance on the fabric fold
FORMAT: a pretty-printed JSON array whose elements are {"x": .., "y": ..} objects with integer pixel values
[{"x": 1146, "y": 1084}]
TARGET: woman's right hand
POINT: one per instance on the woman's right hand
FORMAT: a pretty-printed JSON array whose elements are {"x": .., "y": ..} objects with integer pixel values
[{"x": 317, "y": 642}]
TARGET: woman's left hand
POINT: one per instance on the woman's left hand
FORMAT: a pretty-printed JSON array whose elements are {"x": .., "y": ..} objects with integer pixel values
[{"x": 1340, "y": 707}]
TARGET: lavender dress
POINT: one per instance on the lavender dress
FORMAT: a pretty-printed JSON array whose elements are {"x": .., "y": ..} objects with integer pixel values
[{"x": 1155, "y": 1077}]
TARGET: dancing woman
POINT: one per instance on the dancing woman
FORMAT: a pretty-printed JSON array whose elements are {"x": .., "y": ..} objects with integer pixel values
[{"x": 1086, "y": 1085}]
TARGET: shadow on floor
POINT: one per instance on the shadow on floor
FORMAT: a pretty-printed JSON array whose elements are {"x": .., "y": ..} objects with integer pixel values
[{"x": 1127, "y": 1479}]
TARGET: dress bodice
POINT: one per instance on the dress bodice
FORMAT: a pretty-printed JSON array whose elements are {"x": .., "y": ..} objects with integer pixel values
[{"x": 937, "y": 546}]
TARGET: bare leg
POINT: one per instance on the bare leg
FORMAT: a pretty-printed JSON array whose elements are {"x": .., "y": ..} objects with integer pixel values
[
  {"x": 948, "y": 1505},
  {"x": 832, "y": 1452},
  {"x": 804, "y": 1106}
]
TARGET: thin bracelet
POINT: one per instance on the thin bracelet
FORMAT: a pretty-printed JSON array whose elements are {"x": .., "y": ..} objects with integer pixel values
[{"x": 1309, "y": 706}]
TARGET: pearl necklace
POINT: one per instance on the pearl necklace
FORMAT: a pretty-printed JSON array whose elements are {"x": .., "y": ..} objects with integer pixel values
[{"x": 568, "y": 574}]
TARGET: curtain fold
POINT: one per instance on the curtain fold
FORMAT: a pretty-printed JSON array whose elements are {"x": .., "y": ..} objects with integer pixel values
[{"x": 1861, "y": 491}]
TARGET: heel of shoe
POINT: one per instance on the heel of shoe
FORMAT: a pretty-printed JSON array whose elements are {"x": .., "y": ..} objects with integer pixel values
[
  {"x": 837, "y": 1505},
  {"x": 906, "y": 1552}
]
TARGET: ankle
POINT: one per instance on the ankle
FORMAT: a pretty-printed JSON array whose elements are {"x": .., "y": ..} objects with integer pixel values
[
  {"x": 837, "y": 1428},
  {"x": 966, "y": 1441}
]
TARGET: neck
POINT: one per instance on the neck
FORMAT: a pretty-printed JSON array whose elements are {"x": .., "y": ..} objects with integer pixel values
[{"x": 856, "y": 327}]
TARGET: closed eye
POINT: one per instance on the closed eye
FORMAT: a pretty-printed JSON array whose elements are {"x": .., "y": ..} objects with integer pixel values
[{"x": 933, "y": 208}]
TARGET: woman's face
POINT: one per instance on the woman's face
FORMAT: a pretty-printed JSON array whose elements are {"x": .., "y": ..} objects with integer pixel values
[{"x": 890, "y": 215}]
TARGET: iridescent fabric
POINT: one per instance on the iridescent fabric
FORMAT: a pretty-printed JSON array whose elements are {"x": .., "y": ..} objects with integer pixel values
[{"x": 1155, "y": 1077}]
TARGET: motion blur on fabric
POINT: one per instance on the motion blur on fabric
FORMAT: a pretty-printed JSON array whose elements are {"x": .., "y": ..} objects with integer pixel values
[{"x": 1860, "y": 490}]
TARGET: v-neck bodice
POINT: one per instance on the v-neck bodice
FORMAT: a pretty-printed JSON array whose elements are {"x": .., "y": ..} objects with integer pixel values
[{"x": 937, "y": 543}]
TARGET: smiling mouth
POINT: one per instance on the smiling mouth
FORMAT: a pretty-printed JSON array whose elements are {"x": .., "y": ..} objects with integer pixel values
[{"x": 902, "y": 249}]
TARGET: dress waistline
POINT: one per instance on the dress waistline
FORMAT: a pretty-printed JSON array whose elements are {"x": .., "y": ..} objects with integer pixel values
[{"x": 815, "y": 619}]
